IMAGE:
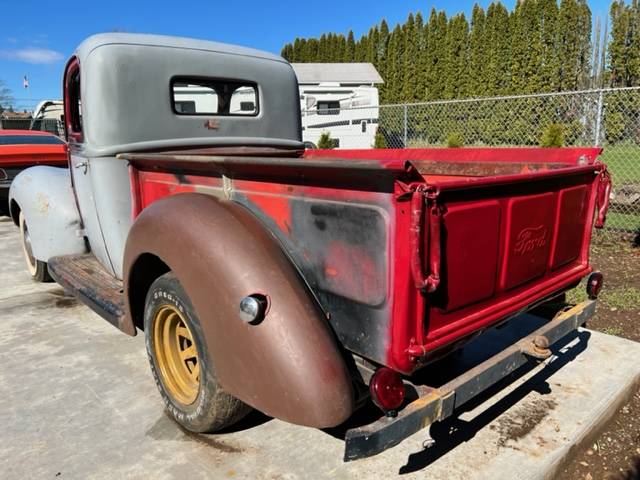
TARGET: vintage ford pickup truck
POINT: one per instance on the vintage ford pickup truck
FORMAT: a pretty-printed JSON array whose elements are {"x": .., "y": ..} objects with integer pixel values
[{"x": 296, "y": 283}]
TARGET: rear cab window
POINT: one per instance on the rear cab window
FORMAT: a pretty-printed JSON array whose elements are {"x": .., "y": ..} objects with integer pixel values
[{"x": 210, "y": 96}]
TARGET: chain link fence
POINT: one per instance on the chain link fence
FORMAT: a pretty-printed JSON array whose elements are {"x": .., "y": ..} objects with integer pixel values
[{"x": 607, "y": 117}]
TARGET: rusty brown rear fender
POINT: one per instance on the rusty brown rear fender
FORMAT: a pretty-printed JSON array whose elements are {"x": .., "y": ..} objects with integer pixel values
[{"x": 288, "y": 366}]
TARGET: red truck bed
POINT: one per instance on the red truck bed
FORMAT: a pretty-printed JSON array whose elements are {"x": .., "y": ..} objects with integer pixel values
[{"x": 410, "y": 252}]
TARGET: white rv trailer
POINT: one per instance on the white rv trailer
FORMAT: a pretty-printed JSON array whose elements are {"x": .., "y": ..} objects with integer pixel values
[
  {"x": 47, "y": 117},
  {"x": 340, "y": 99}
]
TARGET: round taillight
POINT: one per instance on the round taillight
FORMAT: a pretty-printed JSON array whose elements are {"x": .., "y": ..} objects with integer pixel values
[
  {"x": 594, "y": 285},
  {"x": 387, "y": 389}
]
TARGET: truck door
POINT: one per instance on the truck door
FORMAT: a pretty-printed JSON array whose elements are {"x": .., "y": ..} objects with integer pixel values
[{"x": 79, "y": 163}]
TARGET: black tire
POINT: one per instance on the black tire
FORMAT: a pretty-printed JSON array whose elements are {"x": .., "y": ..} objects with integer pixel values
[
  {"x": 213, "y": 408},
  {"x": 37, "y": 269}
]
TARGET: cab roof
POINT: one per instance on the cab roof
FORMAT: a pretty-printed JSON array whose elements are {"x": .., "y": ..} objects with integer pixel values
[
  {"x": 101, "y": 39},
  {"x": 128, "y": 96}
]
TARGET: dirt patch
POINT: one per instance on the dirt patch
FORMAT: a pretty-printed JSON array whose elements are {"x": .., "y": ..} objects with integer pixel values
[
  {"x": 211, "y": 442},
  {"x": 167, "y": 429},
  {"x": 616, "y": 452},
  {"x": 66, "y": 302},
  {"x": 514, "y": 426}
]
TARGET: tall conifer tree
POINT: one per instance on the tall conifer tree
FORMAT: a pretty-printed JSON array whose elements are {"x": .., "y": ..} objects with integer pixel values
[{"x": 477, "y": 53}]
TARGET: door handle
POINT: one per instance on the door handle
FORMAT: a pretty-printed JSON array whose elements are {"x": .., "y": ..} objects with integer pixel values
[{"x": 82, "y": 165}]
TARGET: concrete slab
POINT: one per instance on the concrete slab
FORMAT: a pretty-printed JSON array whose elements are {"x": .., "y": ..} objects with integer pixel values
[{"x": 77, "y": 401}]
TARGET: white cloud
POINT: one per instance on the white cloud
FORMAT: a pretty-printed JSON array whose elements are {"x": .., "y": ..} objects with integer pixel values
[{"x": 32, "y": 55}]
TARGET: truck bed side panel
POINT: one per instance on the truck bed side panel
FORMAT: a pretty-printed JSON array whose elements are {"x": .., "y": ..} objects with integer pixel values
[{"x": 338, "y": 240}]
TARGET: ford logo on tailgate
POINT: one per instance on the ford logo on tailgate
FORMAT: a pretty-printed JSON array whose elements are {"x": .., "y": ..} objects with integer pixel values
[{"x": 530, "y": 239}]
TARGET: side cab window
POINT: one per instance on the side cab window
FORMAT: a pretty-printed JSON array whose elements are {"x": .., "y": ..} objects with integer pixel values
[{"x": 73, "y": 102}]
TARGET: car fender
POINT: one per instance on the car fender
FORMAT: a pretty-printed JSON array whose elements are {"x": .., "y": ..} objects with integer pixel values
[
  {"x": 288, "y": 365},
  {"x": 45, "y": 197}
]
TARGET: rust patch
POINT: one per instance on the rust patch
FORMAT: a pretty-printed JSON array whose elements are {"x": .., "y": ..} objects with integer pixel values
[
  {"x": 513, "y": 426},
  {"x": 212, "y": 124},
  {"x": 43, "y": 202}
]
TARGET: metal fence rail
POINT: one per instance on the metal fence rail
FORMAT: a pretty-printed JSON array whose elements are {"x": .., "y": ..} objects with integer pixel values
[{"x": 604, "y": 117}]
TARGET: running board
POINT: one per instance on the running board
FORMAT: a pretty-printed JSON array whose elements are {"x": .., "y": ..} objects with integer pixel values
[{"x": 85, "y": 278}]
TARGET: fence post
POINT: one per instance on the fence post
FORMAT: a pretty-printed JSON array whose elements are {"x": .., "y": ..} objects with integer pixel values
[
  {"x": 596, "y": 140},
  {"x": 405, "y": 126}
]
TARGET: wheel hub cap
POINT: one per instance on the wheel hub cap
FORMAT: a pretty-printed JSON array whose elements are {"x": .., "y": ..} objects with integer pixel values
[{"x": 176, "y": 354}]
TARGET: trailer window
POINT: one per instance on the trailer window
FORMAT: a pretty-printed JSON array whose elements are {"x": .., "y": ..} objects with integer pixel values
[
  {"x": 328, "y": 108},
  {"x": 193, "y": 96},
  {"x": 185, "y": 107}
]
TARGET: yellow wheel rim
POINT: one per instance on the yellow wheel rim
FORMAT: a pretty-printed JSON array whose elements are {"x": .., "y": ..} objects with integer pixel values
[{"x": 176, "y": 354}]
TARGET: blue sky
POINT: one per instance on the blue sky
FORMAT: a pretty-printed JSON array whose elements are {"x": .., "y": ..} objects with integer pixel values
[{"x": 38, "y": 36}]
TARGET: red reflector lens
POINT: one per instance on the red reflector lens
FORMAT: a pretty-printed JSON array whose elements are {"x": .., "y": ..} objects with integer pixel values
[
  {"x": 594, "y": 285},
  {"x": 387, "y": 389}
]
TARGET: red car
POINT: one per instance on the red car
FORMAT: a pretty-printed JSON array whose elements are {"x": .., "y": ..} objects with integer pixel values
[{"x": 20, "y": 149}]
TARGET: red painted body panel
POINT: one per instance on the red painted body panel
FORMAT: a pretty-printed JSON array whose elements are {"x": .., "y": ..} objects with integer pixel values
[{"x": 502, "y": 242}]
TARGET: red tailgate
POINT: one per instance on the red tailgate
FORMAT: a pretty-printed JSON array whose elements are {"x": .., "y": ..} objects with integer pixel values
[
  {"x": 505, "y": 243},
  {"x": 488, "y": 233}
]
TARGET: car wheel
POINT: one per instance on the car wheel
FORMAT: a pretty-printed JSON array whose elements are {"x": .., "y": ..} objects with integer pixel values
[
  {"x": 36, "y": 268},
  {"x": 180, "y": 362}
]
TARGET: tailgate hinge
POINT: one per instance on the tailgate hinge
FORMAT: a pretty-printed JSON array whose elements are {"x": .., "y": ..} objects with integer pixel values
[
  {"x": 422, "y": 194},
  {"x": 603, "y": 196}
]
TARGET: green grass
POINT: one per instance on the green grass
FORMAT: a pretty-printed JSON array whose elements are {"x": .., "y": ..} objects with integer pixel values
[
  {"x": 623, "y": 162},
  {"x": 623, "y": 221},
  {"x": 621, "y": 298},
  {"x": 612, "y": 331},
  {"x": 577, "y": 295}
]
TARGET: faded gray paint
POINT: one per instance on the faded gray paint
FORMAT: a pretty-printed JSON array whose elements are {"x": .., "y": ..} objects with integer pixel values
[
  {"x": 112, "y": 198},
  {"x": 45, "y": 198},
  {"x": 82, "y": 173}
]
